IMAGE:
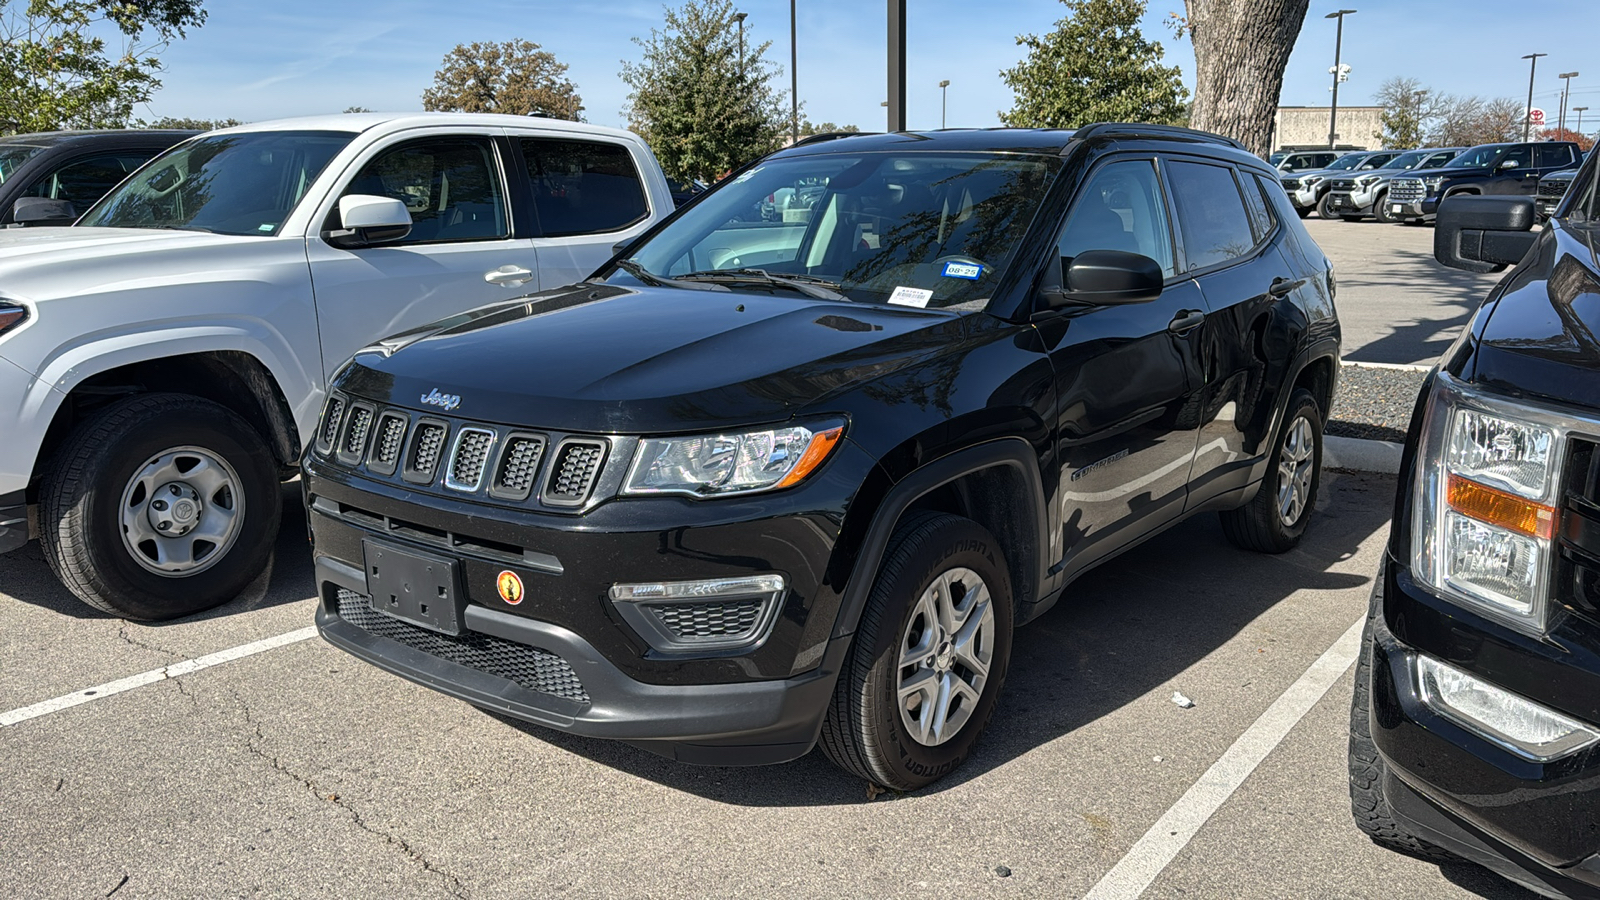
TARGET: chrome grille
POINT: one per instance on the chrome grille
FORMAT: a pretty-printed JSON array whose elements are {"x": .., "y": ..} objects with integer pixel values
[
  {"x": 426, "y": 444},
  {"x": 386, "y": 449},
  {"x": 356, "y": 432},
  {"x": 1407, "y": 190},
  {"x": 330, "y": 423},
  {"x": 703, "y": 620},
  {"x": 572, "y": 477},
  {"x": 469, "y": 458},
  {"x": 530, "y": 667},
  {"x": 519, "y": 465}
]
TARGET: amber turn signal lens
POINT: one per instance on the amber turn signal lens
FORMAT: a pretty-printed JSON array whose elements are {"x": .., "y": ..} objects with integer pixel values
[
  {"x": 1496, "y": 507},
  {"x": 820, "y": 448}
]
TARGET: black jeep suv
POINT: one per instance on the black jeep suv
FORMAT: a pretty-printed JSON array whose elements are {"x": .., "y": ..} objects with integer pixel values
[
  {"x": 757, "y": 484},
  {"x": 1513, "y": 169},
  {"x": 1475, "y": 730}
]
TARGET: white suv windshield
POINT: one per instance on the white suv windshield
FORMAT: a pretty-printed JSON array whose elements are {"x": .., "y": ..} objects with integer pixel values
[
  {"x": 228, "y": 184},
  {"x": 914, "y": 228}
]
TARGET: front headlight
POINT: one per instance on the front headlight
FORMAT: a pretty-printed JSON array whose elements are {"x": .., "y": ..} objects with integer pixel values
[
  {"x": 1433, "y": 184},
  {"x": 739, "y": 462},
  {"x": 1484, "y": 507},
  {"x": 1367, "y": 180},
  {"x": 1311, "y": 181}
]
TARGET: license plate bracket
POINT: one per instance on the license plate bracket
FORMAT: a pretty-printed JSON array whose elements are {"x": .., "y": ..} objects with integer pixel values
[{"x": 412, "y": 586}]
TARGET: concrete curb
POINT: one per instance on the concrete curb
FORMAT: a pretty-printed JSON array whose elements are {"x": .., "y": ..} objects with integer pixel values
[{"x": 1360, "y": 455}]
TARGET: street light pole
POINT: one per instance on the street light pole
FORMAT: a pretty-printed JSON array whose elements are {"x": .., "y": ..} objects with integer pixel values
[
  {"x": 794, "y": 81},
  {"x": 1338, "y": 44},
  {"x": 944, "y": 94},
  {"x": 1527, "y": 114},
  {"x": 1580, "y": 110},
  {"x": 1561, "y": 123},
  {"x": 739, "y": 17}
]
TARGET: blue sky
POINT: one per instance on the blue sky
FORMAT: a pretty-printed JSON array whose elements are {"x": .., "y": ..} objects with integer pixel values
[{"x": 255, "y": 61}]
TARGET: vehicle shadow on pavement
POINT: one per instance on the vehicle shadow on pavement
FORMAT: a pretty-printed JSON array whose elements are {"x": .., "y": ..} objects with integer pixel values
[
  {"x": 1449, "y": 294},
  {"x": 25, "y": 576},
  {"x": 1122, "y": 631}
]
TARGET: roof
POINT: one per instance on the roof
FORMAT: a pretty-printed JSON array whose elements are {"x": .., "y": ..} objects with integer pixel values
[
  {"x": 48, "y": 138},
  {"x": 356, "y": 123},
  {"x": 1007, "y": 140}
]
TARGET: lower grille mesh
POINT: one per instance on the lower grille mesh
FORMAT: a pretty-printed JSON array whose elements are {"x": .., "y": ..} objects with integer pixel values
[
  {"x": 530, "y": 667},
  {"x": 698, "y": 620}
]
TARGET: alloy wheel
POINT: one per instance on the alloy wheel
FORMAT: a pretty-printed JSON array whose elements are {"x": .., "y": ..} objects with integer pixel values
[
  {"x": 1296, "y": 464},
  {"x": 945, "y": 654}
]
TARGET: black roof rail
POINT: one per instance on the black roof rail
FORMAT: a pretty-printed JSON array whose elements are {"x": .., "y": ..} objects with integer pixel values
[
  {"x": 828, "y": 136},
  {"x": 1103, "y": 130}
]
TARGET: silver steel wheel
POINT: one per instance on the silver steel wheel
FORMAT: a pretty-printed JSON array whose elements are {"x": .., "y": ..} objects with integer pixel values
[
  {"x": 945, "y": 655},
  {"x": 182, "y": 511},
  {"x": 1296, "y": 464}
]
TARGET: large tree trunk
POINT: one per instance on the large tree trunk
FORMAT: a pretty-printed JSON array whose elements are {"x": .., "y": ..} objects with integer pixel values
[{"x": 1241, "y": 48}]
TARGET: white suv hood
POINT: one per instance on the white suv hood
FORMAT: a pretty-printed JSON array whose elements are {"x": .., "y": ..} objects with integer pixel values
[{"x": 62, "y": 243}]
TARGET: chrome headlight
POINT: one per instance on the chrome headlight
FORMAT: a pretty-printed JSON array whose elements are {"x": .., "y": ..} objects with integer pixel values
[
  {"x": 1485, "y": 502},
  {"x": 1367, "y": 180},
  {"x": 1433, "y": 184},
  {"x": 1311, "y": 181},
  {"x": 734, "y": 462}
]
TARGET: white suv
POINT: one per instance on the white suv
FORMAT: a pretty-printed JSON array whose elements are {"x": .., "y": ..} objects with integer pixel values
[{"x": 162, "y": 363}]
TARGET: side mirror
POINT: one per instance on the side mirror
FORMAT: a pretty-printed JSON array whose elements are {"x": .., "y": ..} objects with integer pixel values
[
  {"x": 43, "y": 211},
  {"x": 1510, "y": 164},
  {"x": 1483, "y": 234},
  {"x": 1106, "y": 278},
  {"x": 369, "y": 220}
]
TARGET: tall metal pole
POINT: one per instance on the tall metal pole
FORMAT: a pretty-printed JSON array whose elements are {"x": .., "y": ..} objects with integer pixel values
[
  {"x": 1580, "y": 110},
  {"x": 1527, "y": 113},
  {"x": 1565, "y": 89},
  {"x": 794, "y": 80},
  {"x": 944, "y": 97},
  {"x": 739, "y": 17},
  {"x": 897, "y": 65},
  {"x": 1338, "y": 44}
]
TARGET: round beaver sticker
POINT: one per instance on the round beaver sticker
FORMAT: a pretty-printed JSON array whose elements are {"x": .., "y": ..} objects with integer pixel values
[{"x": 510, "y": 587}]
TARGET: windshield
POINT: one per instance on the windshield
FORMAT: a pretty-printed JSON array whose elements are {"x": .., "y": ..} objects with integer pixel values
[
  {"x": 1406, "y": 160},
  {"x": 1481, "y": 157},
  {"x": 911, "y": 228},
  {"x": 228, "y": 184},
  {"x": 12, "y": 156},
  {"x": 1347, "y": 161}
]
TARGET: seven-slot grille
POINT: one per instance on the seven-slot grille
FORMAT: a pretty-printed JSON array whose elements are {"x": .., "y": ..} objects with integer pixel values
[
  {"x": 468, "y": 460},
  {"x": 530, "y": 667},
  {"x": 519, "y": 464},
  {"x": 1407, "y": 190},
  {"x": 577, "y": 464}
]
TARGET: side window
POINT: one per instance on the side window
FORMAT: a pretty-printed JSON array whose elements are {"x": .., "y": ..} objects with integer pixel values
[
  {"x": 1437, "y": 161},
  {"x": 1210, "y": 212},
  {"x": 1261, "y": 220},
  {"x": 583, "y": 187},
  {"x": 83, "y": 181},
  {"x": 1553, "y": 156},
  {"x": 451, "y": 185},
  {"x": 1522, "y": 153},
  {"x": 1121, "y": 208}
]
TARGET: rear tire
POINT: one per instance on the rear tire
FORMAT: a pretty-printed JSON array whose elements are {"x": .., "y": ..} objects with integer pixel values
[
  {"x": 929, "y": 658},
  {"x": 1275, "y": 520},
  {"x": 158, "y": 506}
]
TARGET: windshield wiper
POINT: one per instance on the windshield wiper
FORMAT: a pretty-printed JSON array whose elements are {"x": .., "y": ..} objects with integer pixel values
[
  {"x": 811, "y": 286},
  {"x": 643, "y": 274}
]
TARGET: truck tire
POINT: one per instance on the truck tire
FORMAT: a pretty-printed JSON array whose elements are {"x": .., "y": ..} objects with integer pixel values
[
  {"x": 929, "y": 657},
  {"x": 1380, "y": 209},
  {"x": 158, "y": 506},
  {"x": 1368, "y": 806},
  {"x": 1325, "y": 206},
  {"x": 1275, "y": 519}
]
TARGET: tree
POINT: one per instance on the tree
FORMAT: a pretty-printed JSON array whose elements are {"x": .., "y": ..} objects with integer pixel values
[
  {"x": 1240, "y": 52},
  {"x": 1584, "y": 142},
  {"x": 197, "y": 124},
  {"x": 57, "y": 71},
  {"x": 1465, "y": 121},
  {"x": 1095, "y": 67},
  {"x": 356, "y": 109},
  {"x": 1408, "y": 107},
  {"x": 703, "y": 108},
  {"x": 515, "y": 77},
  {"x": 807, "y": 128}
]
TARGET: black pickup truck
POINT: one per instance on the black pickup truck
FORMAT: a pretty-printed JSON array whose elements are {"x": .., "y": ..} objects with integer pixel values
[{"x": 1485, "y": 169}]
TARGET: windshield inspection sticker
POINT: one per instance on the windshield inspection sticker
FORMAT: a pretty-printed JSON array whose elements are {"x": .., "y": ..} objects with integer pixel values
[
  {"x": 910, "y": 296},
  {"x": 963, "y": 270}
]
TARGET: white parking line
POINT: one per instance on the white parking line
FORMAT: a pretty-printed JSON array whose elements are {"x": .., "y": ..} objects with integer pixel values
[
  {"x": 188, "y": 666},
  {"x": 1152, "y": 853}
]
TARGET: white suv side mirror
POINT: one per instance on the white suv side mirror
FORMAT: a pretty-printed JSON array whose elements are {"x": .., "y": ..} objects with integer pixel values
[{"x": 368, "y": 219}]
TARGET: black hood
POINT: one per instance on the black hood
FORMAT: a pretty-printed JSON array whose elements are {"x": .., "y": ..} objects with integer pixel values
[
  {"x": 608, "y": 359},
  {"x": 1452, "y": 172}
]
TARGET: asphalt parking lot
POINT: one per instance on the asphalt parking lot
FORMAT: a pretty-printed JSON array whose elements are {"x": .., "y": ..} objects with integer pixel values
[{"x": 298, "y": 771}]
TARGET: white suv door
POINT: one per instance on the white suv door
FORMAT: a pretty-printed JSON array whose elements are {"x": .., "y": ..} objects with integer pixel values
[
  {"x": 462, "y": 251},
  {"x": 587, "y": 198}
]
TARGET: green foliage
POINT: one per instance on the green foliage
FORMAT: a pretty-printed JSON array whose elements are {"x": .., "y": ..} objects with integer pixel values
[
  {"x": 1407, "y": 107},
  {"x": 516, "y": 78},
  {"x": 185, "y": 122},
  {"x": 807, "y": 128},
  {"x": 703, "y": 108},
  {"x": 1095, "y": 67},
  {"x": 356, "y": 109},
  {"x": 57, "y": 70}
]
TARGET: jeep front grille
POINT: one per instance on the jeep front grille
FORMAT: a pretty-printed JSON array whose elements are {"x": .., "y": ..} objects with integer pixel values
[
  {"x": 572, "y": 477},
  {"x": 469, "y": 459},
  {"x": 330, "y": 423},
  {"x": 524, "y": 665},
  {"x": 386, "y": 449},
  {"x": 519, "y": 465},
  {"x": 356, "y": 432},
  {"x": 426, "y": 444},
  {"x": 1407, "y": 190}
]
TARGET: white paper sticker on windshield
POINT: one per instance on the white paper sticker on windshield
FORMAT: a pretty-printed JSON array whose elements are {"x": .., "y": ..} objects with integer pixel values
[{"x": 910, "y": 296}]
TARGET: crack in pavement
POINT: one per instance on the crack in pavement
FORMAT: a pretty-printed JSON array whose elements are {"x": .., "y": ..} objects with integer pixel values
[
  {"x": 122, "y": 632},
  {"x": 452, "y": 883}
]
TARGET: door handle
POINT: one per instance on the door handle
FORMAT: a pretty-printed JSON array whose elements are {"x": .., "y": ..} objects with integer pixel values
[
  {"x": 1282, "y": 286},
  {"x": 1185, "y": 320},
  {"x": 508, "y": 276}
]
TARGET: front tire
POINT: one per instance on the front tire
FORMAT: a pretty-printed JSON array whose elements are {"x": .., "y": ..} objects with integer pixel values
[
  {"x": 1325, "y": 207},
  {"x": 1380, "y": 210},
  {"x": 158, "y": 506},
  {"x": 1275, "y": 520},
  {"x": 929, "y": 657}
]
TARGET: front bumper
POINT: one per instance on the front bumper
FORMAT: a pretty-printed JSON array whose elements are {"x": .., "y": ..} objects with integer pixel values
[
  {"x": 1350, "y": 203},
  {"x": 1417, "y": 209},
  {"x": 1536, "y": 824},
  {"x": 1307, "y": 197}
]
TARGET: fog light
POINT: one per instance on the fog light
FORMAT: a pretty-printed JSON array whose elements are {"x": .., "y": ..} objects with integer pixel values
[
  {"x": 1499, "y": 716},
  {"x": 712, "y": 614}
]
